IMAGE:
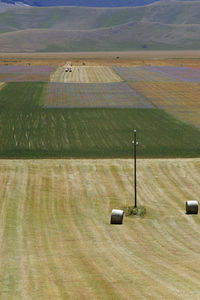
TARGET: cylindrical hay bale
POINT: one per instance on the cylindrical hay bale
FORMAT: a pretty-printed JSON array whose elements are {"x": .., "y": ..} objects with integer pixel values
[
  {"x": 192, "y": 207},
  {"x": 117, "y": 216}
]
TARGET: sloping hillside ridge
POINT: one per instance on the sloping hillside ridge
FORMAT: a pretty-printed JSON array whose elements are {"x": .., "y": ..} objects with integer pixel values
[
  {"x": 162, "y": 25},
  {"x": 133, "y": 35},
  {"x": 89, "y": 3},
  {"x": 90, "y": 18}
]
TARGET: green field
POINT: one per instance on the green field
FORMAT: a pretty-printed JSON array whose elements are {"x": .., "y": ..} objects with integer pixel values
[{"x": 29, "y": 130}]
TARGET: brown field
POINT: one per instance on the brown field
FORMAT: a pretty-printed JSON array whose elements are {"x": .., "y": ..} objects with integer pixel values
[
  {"x": 56, "y": 241},
  {"x": 179, "y": 98},
  {"x": 129, "y": 58},
  {"x": 85, "y": 74}
]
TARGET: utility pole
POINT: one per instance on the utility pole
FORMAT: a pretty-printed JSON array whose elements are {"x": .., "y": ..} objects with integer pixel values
[{"x": 135, "y": 168}]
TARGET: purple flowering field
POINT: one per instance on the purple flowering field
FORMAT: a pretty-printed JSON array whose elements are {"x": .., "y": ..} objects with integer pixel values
[
  {"x": 159, "y": 74},
  {"x": 109, "y": 95},
  {"x": 26, "y": 69},
  {"x": 25, "y": 73}
]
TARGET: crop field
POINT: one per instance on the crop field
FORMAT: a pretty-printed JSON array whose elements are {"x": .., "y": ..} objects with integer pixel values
[
  {"x": 25, "y": 73},
  {"x": 71, "y": 95},
  {"x": 26, "y": 69},
  {"x": 159, "y": 74},
  {"x": 1, "y": 85},
  {"x": 56, "y": 241},
  {"x": 181, "y": 99},
  {"x": 18, "y": 77},
  {"x": 142, "y": 74},
  {"x": 85, "y": 74},
  {"x": 30, "y": 130}
]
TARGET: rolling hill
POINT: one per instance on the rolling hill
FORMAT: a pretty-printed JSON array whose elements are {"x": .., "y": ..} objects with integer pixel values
[{"x": 161, "y": 25}]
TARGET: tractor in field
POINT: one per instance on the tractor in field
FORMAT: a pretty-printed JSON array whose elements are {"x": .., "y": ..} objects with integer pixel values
[{"x": 68, "y": 69}]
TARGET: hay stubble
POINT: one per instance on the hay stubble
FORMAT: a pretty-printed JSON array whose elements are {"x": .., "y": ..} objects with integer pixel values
[
  {"x": 56, "y": 241},
  {"x": 85, "y": 74}
]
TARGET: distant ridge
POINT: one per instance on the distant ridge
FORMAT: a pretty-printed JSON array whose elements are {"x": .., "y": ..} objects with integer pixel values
[{"x": 87, "y": 3}]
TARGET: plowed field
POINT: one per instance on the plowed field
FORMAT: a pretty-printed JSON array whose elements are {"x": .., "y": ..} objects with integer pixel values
[
  {"x": 181, "y": 99},
  {"x": 85, "y": 74},
  {"x": 56, "y": 241}
]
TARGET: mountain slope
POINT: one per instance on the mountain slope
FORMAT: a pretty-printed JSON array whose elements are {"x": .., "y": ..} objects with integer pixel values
[
  {"x": 161, "y": 25},
  {"x": 121, "y": 37},
  {"x": 89, "y": 3},
  {"x": 90, "y": 18}
]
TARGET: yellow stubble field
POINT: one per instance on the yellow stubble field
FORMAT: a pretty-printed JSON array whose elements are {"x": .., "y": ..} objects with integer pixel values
[
  {"x": 56, "y": 241},
  {"x": 1, "y": 85},
  {"x": 179, "y": 98}
]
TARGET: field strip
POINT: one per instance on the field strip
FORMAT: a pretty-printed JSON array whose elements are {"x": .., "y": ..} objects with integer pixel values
[
  {"x": 1, "y": 85},
  {"x": 180, "y": 99},
  {"x": 85, "y": 74},
  {"x": 55, "y": 235},
  {"x": 107, "y": 95}
]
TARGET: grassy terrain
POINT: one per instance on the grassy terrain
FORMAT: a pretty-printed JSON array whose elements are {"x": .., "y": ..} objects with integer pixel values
[
  {"x": 29, "y": 130},
  {"x": 164, "y": 25},
  {"x": 56, "y": 241}
]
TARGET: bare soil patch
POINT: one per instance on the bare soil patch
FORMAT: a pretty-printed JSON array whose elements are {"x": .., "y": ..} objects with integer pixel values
[{"x": 130, "y": 58}]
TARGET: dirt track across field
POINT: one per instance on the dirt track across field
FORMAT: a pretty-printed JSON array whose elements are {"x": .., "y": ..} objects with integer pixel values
[
  {"x": 84, "y": 74},
  {"x": 56, "y": 241}
]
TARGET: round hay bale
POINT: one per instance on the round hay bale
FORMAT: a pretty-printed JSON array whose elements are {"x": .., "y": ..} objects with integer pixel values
[
  {"x": 192, "y": 207},
  {"x": 117, "y": 216}
]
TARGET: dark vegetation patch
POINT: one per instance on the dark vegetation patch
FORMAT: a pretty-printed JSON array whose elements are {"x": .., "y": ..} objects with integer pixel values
[
  {"x": 28, "y": 130},
  {"x": 132, "y": 211}
]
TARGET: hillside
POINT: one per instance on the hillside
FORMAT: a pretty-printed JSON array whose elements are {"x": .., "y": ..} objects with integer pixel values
[
  {"x": 161, "y": 25},
  {"x": 89, "y": 3}
]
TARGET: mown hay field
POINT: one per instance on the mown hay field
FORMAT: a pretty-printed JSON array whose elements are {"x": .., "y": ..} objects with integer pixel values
[
  {"x": 180, "y": 99},
  {"x": 30, "y": 130},
  {"x": 84, "y": 95},
  {"x": 85, "y": 74},
  {"x": 56, "y": 241}
]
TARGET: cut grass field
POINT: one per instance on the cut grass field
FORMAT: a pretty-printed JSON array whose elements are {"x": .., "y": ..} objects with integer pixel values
[
  {"x": 30, "y": 130},
  {"x": 56, "y": 241},
  {"x": 85, "y": 74},
  {"x": 180, "y": 99}
]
